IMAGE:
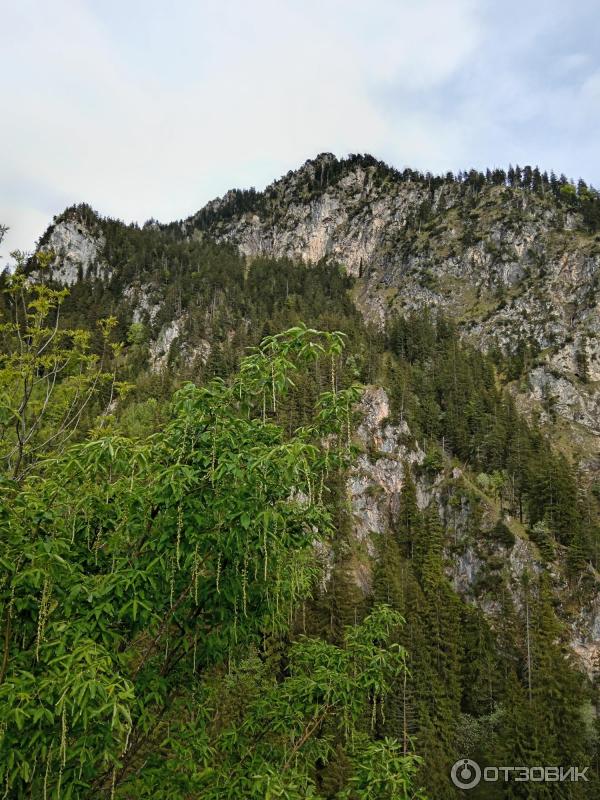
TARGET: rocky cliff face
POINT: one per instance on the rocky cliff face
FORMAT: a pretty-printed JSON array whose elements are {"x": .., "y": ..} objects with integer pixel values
[
  {"x": 374, "y": 486},
  {"x": 514, "y": 267},
  {"x": 375, "y": 481},
  {"x": 351, "y": 222},
  {"x": 517, "y": 269},
  {"x": 78, "y": 251}
]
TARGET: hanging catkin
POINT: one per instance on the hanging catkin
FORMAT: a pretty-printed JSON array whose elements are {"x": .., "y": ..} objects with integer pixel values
[
  {"x": 179, "y": 529},
  {"x": 195, "y": 571},
  {"x": 245, "y": 581},
  {"x": 63, "y": 736},
  {"x": 47, "y": 773},
  {"x": 213, "y": 454},
  {"x": 218, "y": 572},
  {"x": 265, "y": 551},
  {"x": 42, "y": 616}
]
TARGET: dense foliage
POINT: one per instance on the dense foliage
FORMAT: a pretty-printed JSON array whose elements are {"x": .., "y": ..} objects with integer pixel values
[
  {"x": 181, "y": 615},
  {"x": 50, "y": 378},
  {"x": 149, "y": 583},
  {"x": 450, "y": 394}
]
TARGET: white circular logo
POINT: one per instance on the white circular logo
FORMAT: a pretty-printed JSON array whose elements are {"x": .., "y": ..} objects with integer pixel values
[{"x": 465, "y": 773}]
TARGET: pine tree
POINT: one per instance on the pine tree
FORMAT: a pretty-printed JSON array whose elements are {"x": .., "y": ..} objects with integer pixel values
[{"x": 409, "y": 523}]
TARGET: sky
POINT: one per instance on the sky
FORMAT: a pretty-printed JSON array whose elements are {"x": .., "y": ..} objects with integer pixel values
[{"x": 147, "y": 109}]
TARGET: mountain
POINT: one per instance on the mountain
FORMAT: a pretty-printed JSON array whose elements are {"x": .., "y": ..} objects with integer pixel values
[
  {"x": 516, "y": 265},
  {"x": 471, "y": 307},
  {"x": 513, "y": 258}
]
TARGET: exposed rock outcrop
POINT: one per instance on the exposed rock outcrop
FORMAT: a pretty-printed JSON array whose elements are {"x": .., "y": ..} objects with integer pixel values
[
  {"x": 512, "y": 266},
  {"x": 374, "y": 489},
  {"x": 79, "y": 252},
  {"x": 375, "y": 480}
]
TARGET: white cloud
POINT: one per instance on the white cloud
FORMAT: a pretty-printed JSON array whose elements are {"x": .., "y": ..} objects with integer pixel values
[{"x": 147, "y": 110}]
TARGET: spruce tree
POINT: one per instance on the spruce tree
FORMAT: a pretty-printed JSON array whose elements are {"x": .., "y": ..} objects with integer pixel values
[{"x": 409, "y": 528}]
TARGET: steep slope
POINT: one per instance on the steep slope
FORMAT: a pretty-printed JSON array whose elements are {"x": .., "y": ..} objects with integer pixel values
[
  {"x": 499, "y": 519},
  {"x": 473, "y": 562},
  {"x": 515, "y": 259},
  {"x": 517, "y": 265}
]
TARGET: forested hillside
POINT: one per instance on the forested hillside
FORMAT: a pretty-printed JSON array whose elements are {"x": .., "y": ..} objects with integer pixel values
[{"x": 296, "y": 500}]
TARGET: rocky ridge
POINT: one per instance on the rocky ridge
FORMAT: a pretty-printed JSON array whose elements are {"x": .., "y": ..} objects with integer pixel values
[{"x": 517, "y": 269}]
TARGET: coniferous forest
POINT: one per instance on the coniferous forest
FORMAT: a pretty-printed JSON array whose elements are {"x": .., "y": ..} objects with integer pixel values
[{"x": 181, "y": 615}]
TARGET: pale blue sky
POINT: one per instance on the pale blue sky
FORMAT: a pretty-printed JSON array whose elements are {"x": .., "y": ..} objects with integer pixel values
[{"x": 152, "y": 108}]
